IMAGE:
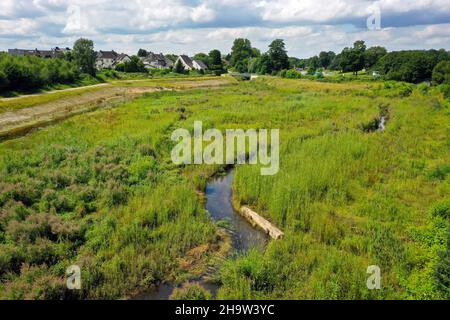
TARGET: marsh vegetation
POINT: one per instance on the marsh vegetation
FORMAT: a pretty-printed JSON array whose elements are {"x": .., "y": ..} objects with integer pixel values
[{"x": 99, "y": 190}]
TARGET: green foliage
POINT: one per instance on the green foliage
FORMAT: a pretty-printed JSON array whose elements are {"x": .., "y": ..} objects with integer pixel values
[
  {"x": 203, "y": 57},
  {"x": 373, "y": 55},
  {"x": 31, "y": 73},
  {"x": 241, "y": 52},
  {"x": 278, "y": 55},
  {"x": 441, "y": 72},
  {"x": 215, "y": 59},
  {"x": 84, "y": 56},
  {"x": 326, "y": 58},
  {"x": 353, "y": 59},
  {"x": 191, "y": 292},
  {"x": 142, "y": 53},
  {"x": 99, "y": 190},
  {"x": 290, "y": 74},
  {"x": 135, "y": 65},
  {"x": 411, "y": 66},
  {"x": 179, "y": 68}
]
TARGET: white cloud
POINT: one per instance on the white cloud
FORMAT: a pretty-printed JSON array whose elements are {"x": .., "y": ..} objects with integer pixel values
[
  {"x": 187, "y": 26},
  {"x": 203, "y": 14}
]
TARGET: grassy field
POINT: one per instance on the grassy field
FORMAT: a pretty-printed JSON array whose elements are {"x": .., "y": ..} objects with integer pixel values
[{"x": 99, "y": 190}]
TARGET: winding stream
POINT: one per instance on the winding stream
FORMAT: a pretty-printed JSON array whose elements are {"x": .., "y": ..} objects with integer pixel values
[{"x": 219, "y": 204}]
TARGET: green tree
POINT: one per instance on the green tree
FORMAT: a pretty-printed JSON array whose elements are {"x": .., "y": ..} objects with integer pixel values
[
  {"x": 179, "y": 68},
  {"x": 84, "y": 56},
  {"x": 278, "y": 55},
  {"x": 411, "y": 65},
  {"x": 441, "y": 72},
  {"x": 373, "y": 55},
  {"x": 325, "y": 58},
  {"x": 142, "y": 53},
  {"x": 352, "y": 59},
  {"x": 294, "y": 62},
  {"x": 241, "y": 52},
  {"x": 172, "y": 57},
  {"x": 134, "y": 65},
  {"x": 215, "y": 58},
  {"x": 203, "y": 57},
  {"x": 335, "y": 63},
  {"x": 313, "y": 63}
]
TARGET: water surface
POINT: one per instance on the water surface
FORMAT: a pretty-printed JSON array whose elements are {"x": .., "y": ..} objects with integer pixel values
[{"x": 219, "y": 194}]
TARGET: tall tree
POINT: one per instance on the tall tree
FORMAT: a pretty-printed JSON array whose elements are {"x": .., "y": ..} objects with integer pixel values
[
  {"x": 325, "y": 58},
  {"x": 215, "y": 58},
  {"x": 84, "y": 56},
  {"x": 372, "y": 55},
  {"x": 179, "y": 68},
  {"x": 278, "y": 55},
  {"x": 313, "y": 63},
  {"x": 241, "y": 52},
  {"x": 142, "y": 53},
  {"x": 352, "y": 59}
]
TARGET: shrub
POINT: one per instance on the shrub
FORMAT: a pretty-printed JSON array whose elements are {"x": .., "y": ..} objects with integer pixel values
[
  {"x": 441, "y": 72},
  {"x": 445, "y": 89},
  {"x": 290, "y": 74},
  {"x": 191, "y": 292},
  {"x": 441, "y": 209}
]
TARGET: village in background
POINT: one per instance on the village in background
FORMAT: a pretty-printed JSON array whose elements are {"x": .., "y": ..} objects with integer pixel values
[
  {"x": 112, "y": 59},
  {"x": 25, "y": 70}
]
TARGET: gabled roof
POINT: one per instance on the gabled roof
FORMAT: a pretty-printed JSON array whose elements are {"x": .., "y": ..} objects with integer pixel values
[
  {"x": 201, "y": 64},
  {"x": 107, "y": 55},
  {"x": 122, "y": 56},
  {"x": 188, "y": 61}
]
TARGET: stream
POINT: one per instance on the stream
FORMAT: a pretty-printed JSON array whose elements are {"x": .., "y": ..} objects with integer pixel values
[{"x": 244, "y": 237}]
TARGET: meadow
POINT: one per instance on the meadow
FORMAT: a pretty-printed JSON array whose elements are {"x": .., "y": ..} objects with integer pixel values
[{"x": 99, "y": 190}]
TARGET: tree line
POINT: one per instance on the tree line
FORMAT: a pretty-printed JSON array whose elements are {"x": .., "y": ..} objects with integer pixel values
[
  {"x": 30, "y": 73},
  {"x": 408, "y": 65}
]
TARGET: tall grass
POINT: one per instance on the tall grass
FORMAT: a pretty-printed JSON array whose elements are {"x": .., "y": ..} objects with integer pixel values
[{"x": 99, "y": 190}]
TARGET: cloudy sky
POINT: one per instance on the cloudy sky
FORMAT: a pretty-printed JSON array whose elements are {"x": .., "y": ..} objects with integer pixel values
[{"x": 191, "y": 26}]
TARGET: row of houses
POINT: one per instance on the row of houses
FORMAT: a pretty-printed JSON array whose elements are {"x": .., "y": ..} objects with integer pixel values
[
  {"x": 52, "y": 53},
  {"x": 110, "y": 59}
]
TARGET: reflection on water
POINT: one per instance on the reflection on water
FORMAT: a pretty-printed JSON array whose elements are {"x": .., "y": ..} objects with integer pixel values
[{"x": 219, "y": 205}]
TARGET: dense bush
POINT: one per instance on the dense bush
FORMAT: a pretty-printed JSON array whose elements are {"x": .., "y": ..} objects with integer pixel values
[
  {"x": 411, "y": 66},
  {"x": 30, "y": 73},
  {"x": 441, "y": 73},
  {"x": 290, "y": 74}
]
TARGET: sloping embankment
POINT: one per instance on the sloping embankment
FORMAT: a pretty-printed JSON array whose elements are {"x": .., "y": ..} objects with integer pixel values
[
  {"x": 256, "y": 220},
  {"x": 21, "y": 121}
]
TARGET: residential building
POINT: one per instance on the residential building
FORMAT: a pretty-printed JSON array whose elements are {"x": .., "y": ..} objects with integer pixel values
[
  {"x": 52, "y": 53},
  {"x": 106, "y": 59},
  {"x": 190, "y": 64},
  {"x": 122, "y": 58},
  {"x": 156, "y": 61}
]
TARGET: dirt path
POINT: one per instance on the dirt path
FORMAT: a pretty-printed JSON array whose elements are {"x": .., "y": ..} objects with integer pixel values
[
  {"x": 21, "y": 121},
  {"x": 53, "y": 92}
]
